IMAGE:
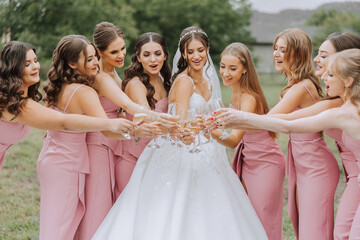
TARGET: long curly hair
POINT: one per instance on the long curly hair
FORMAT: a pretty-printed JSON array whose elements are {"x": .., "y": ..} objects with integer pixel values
[
  {"x": 298, "y": 56},
  {"x": 67, "y": 51},
  {"x": 136, "y": 69},
  {"x": 186, "y": 36},
  {"x": 12, "y": 65}
]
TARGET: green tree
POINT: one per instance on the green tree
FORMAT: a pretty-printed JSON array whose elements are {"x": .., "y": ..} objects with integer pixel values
[{"x": 332, "y": 20}]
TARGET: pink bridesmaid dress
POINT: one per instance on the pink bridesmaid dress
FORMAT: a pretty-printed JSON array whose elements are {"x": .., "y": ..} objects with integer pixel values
[
  {"x": 11, "y": 133},
  {"x": 260, "y": 164},
  {"x": 353, "y": 145},
  {"x": 312, "y": 171},
  {"x": 131, "y": 151},
  {"x": 350, "y": 198},
  {"x": 100, "y": 183},
  {"x": 62, "y": 165}
]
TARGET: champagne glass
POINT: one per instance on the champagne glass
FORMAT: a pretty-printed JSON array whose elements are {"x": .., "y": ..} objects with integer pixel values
[
  {"x": 154, "y": 143},
  {"x": 177, "y": 111},
  {"x": 218, "y": 103},
  {"x": 192, "y": 124},
  {"x": 139, "y": 118}
]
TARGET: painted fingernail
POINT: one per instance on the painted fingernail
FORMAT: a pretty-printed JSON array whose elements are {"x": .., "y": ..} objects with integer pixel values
[{"x": 216, "y": 127}]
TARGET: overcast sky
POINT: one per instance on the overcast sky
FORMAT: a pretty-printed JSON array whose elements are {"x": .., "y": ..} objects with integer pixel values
[{"x": 273, "y": 6}]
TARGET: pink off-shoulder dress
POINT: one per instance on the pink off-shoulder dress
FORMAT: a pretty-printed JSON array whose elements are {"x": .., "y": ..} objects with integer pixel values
[
  {"x": 260, "y": 164},
  {"x": 62, "y": 165}
]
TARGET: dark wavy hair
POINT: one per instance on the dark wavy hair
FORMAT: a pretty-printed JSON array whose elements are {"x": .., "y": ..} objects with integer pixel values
[
  {"x": 104, "y": 33},
  {"x": 343, "y": 41},
  {"x": 136, "y": 69},
  {"x": 186, "y": 36},
  {"x": 67, "y": 51},
  {"x": 12, "y": 65}
]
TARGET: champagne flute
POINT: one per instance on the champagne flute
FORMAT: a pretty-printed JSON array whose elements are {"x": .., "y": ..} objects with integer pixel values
[
  {"x": 177, "y": 111},
  {"x": 139, "y": 118},
  {"x": 192, "y": 124},
  {"x": 154, "y": 142},
  {"x": 218, "y": 103}
]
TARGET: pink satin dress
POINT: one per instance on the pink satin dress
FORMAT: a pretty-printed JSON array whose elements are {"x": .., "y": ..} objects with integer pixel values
[
  {"x": 354, "y": 146},
  {"x": 62, "y": 165},
  {"x": 131, "y": 151},
  {"x": 100, "y": 183},
  {"x": 260, "y": 164},
  {"x": 350, "y": 198},
  {"x": 314, "y": 173},
  {"x": 10, "y": 133}
]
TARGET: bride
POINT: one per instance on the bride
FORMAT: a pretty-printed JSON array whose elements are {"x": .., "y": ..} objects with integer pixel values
[{"x": 174, "y": 194}]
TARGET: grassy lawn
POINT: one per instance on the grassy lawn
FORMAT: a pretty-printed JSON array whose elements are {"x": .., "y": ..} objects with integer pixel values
[{"x": 19, "y": 187}]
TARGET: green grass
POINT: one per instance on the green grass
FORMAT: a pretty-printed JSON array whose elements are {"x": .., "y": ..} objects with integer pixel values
[{"x": 19, "y": 186}]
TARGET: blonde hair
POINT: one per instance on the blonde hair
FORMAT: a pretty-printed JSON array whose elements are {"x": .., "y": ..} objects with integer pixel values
[
  {"x": 298, "y": 56},
  {"x": 249, "y": 81},
  {"x": 346, "y": 64}
]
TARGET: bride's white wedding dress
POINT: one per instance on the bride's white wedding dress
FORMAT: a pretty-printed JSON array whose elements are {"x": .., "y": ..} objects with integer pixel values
[{"x": 177, "y": 195}]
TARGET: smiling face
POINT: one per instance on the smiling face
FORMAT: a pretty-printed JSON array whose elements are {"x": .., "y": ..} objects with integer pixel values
[
  {"x": 325, "y": 51},
  {"x": 30, "y": 74},
  {"x": 196, "y": 55},
  {"x": 335, "y": 86},
  {"x": 231, "y": 70},
  {"x": 279, "y": 56},
  {"x": 152, "y": 58},
  {"x": 91, "y": 67},
  {"x": 115, "y": 53}
]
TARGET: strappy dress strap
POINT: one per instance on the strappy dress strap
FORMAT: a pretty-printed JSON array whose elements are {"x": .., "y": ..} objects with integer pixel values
[
  {"x": 71, "y": 96},
  {"x": 182, "y": 75},
  {"x": 314, "y": 99}
]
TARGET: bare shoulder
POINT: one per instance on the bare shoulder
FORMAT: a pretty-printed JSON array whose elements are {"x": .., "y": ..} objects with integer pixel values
[
  {"x": 135, "y": 82},
  {"x": 183, "y": 81},
  {"x": 246, "y": 97}
]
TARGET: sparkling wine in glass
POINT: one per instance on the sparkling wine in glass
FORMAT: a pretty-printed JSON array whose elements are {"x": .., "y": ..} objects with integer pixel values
[{"x": 138, "y": 118}]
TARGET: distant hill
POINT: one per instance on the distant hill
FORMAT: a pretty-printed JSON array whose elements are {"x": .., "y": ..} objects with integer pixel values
[{"x": 265, "y": 26}]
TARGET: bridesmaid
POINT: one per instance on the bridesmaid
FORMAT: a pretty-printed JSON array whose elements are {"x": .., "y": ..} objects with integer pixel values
[
  {"x": 258, "y": 161},
  {"x": 104, "y": 153},
  {"x": 342, "y": 79},
  {"x": 147, "y": 82},
  {"x": 19, "y": 96},
  {"x": 351, "y": 196},
  {"x": 312, "y": 169},
  {"x": 63, "y": 161}
]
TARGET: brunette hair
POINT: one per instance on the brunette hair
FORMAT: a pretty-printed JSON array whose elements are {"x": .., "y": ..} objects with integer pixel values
[
  {"x": 249, "y": 81},
  {"x": 346, "y": 64},
  {"x": 12, "y": 65},
  {"x": 67, "y": 51},
  {"x": 343, "y": 41},
  {"x": 186, "y": 36},
  {"x": 298, "y": 56},
  {"x": 104, "y": 33},
  {"x": 136, "y": 68}
]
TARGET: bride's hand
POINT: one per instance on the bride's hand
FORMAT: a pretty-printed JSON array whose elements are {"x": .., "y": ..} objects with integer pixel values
[
  {"x": 147, "y": 130},
  {"x": 186, "y": 136}
]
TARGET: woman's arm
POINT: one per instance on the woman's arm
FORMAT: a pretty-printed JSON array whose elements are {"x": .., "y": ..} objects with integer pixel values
[
  {"x": 36, "y": 115},
  {"x": 236, "y": 119},
  {"x": 312, "y": 110},
  {"x": 248, "y": 104}
]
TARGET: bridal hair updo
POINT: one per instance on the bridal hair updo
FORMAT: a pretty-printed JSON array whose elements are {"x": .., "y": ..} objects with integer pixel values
[
  {"x": 12, "y": 65},
  {"x": 298, "y": 55},
  {"x": 67, "y": 51},
  {"x": 104, "y": 33},
  {"x": 345, "y": 65},
  {"x": 186, "y": 36},
  {"x": 136, "y": 68}
]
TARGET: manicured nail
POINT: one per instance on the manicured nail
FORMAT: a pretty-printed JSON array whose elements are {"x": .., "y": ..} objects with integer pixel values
[
  {"x": 212, "y": 118},
  {"x": 216, "y": 127}
]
